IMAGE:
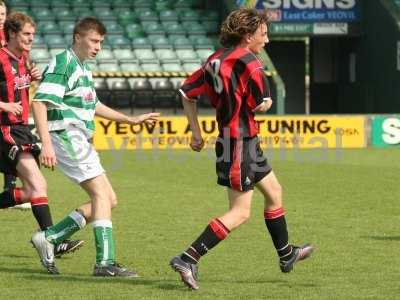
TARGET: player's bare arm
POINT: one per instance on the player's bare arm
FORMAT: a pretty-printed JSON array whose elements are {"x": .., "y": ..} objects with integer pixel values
[
  {"x": 190, "y": 107},
  {"x": 113, "y": 115},
  {"x": 47, "y": 156}
]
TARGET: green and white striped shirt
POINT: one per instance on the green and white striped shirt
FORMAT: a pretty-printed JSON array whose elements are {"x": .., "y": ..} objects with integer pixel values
[{"x": 67, "y": 87}]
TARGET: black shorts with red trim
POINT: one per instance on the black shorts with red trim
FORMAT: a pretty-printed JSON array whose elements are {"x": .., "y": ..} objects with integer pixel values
[
  {"x": 14, "y": 140},
  {"x": 240, "y": 163}
]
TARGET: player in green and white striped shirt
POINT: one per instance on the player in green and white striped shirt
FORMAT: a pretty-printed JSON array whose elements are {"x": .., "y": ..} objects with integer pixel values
[
  {"x": 64, "y": 108},
  {"x": 68, "y": 90}
]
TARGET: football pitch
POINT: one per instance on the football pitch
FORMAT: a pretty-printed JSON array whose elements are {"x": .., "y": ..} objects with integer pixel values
[{"x": 346, "y": 202}]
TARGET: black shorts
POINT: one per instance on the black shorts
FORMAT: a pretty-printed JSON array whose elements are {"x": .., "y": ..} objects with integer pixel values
[
  {"x": 15, "y": 139},
  {"x": 240, "y": 163}
]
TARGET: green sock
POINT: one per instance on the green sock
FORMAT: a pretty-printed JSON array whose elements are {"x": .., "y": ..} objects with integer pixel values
[
  {"x": 65, "y": 228},
  {"x": 105, "y": 252}
]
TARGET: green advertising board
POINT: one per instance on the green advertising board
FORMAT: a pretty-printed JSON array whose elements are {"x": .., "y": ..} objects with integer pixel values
[
  {"x": 279, "y": 28},
  {"x": 386, "y": 131},
  {"x": 308, "y": 29}
]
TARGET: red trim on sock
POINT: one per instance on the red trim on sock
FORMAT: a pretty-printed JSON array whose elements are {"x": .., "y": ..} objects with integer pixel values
[
  {"x": 219, "y": 229},
  {"x": 273, "y": 214},
  {"x": 17, "y": 195},
  {"x": 39, "y": 201},
  {"x": 223, "y": 225}
]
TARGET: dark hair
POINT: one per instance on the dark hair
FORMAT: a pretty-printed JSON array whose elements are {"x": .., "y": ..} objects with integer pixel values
[
  {"x": 15, "y": 22},
  {"x": 89, "y": 23},
  {"x": 239, "y": 23}
]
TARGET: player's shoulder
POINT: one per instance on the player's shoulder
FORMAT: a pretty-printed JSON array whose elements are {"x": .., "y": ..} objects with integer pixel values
[
  {"x": 61, "y": 63},
  {"x": 222, "y": 55},
  {"x": 87, "y": 67},
  {"x": 247, "y": 57},
  {"x": 217, "y": 54},
  {"x": 3, "y": 54},
  {"x": 240, "y": 57}
]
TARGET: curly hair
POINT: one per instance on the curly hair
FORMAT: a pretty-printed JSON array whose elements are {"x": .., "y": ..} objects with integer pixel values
[
  {"x": 15, "y": 22},
  {"x": 239, "y": 23}
]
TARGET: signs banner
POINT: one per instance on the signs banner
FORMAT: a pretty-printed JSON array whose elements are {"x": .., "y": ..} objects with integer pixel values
[
  {"x": 275, "y": 132},
  {"x": 386, "y": 131},
  {"x": 310, "y": 11}
]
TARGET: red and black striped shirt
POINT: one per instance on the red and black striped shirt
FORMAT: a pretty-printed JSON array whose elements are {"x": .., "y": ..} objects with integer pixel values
[
  {"x": 234, "y": 82},
  {"x": 15, "y": 81},
  {"x": 3, "y": 41}
]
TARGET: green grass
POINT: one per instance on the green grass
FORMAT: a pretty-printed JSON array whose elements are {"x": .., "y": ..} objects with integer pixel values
[{"x": 346, "y": 203}]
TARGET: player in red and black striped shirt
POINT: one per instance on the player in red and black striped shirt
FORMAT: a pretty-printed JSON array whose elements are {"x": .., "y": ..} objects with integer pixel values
[
  {"x": 19, "y": 151},
  {"x": 18, "y": 147},
  {"x": 234, "y": 81},
  {"x": 9, "y": 179}
]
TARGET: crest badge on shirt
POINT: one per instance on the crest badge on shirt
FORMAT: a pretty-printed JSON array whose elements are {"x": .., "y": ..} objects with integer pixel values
[{"x": 89, "y": 97}]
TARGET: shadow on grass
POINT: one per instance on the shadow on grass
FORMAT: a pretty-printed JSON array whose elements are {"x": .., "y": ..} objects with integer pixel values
[
  {"x": 19, "y": 270},
  {"x": 36, "y": 274},
  {"x": 162, "y": 284},
  {"x": 15, "y": 256},
  {"x": 41, "y": 275},
  {"x": 178, "y": 285},
  {"x": 255, "y": 281},
  {"x": 383, "y": 237},
  {"x": 278, "y": 282}
]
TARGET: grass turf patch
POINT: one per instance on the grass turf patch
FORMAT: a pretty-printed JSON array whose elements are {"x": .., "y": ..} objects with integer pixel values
[{"x": 345, "y": 202}]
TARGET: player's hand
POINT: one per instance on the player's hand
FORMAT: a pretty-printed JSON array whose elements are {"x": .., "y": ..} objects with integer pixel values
[
  {"x": 264, "y": 106},
  {"x": 35, "y": 73},
  {"x": 149, "y": 118},
  {"x": 14, "y": 108},
  {"x": 196, "y": 143},
  {"x": 48, "y": 156}
]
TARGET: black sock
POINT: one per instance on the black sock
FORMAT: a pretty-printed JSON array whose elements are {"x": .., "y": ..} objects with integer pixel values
[
  {"x": 9, "y": 181},
  {"x": 9, "y": 198},
  {"x": 276, "y": 224},
  {"x": 41, "y": 211},
  {"x": 211, "y": 236}
]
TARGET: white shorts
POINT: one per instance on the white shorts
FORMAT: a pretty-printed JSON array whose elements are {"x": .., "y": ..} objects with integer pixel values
[{"x": 75, "y": 155}]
